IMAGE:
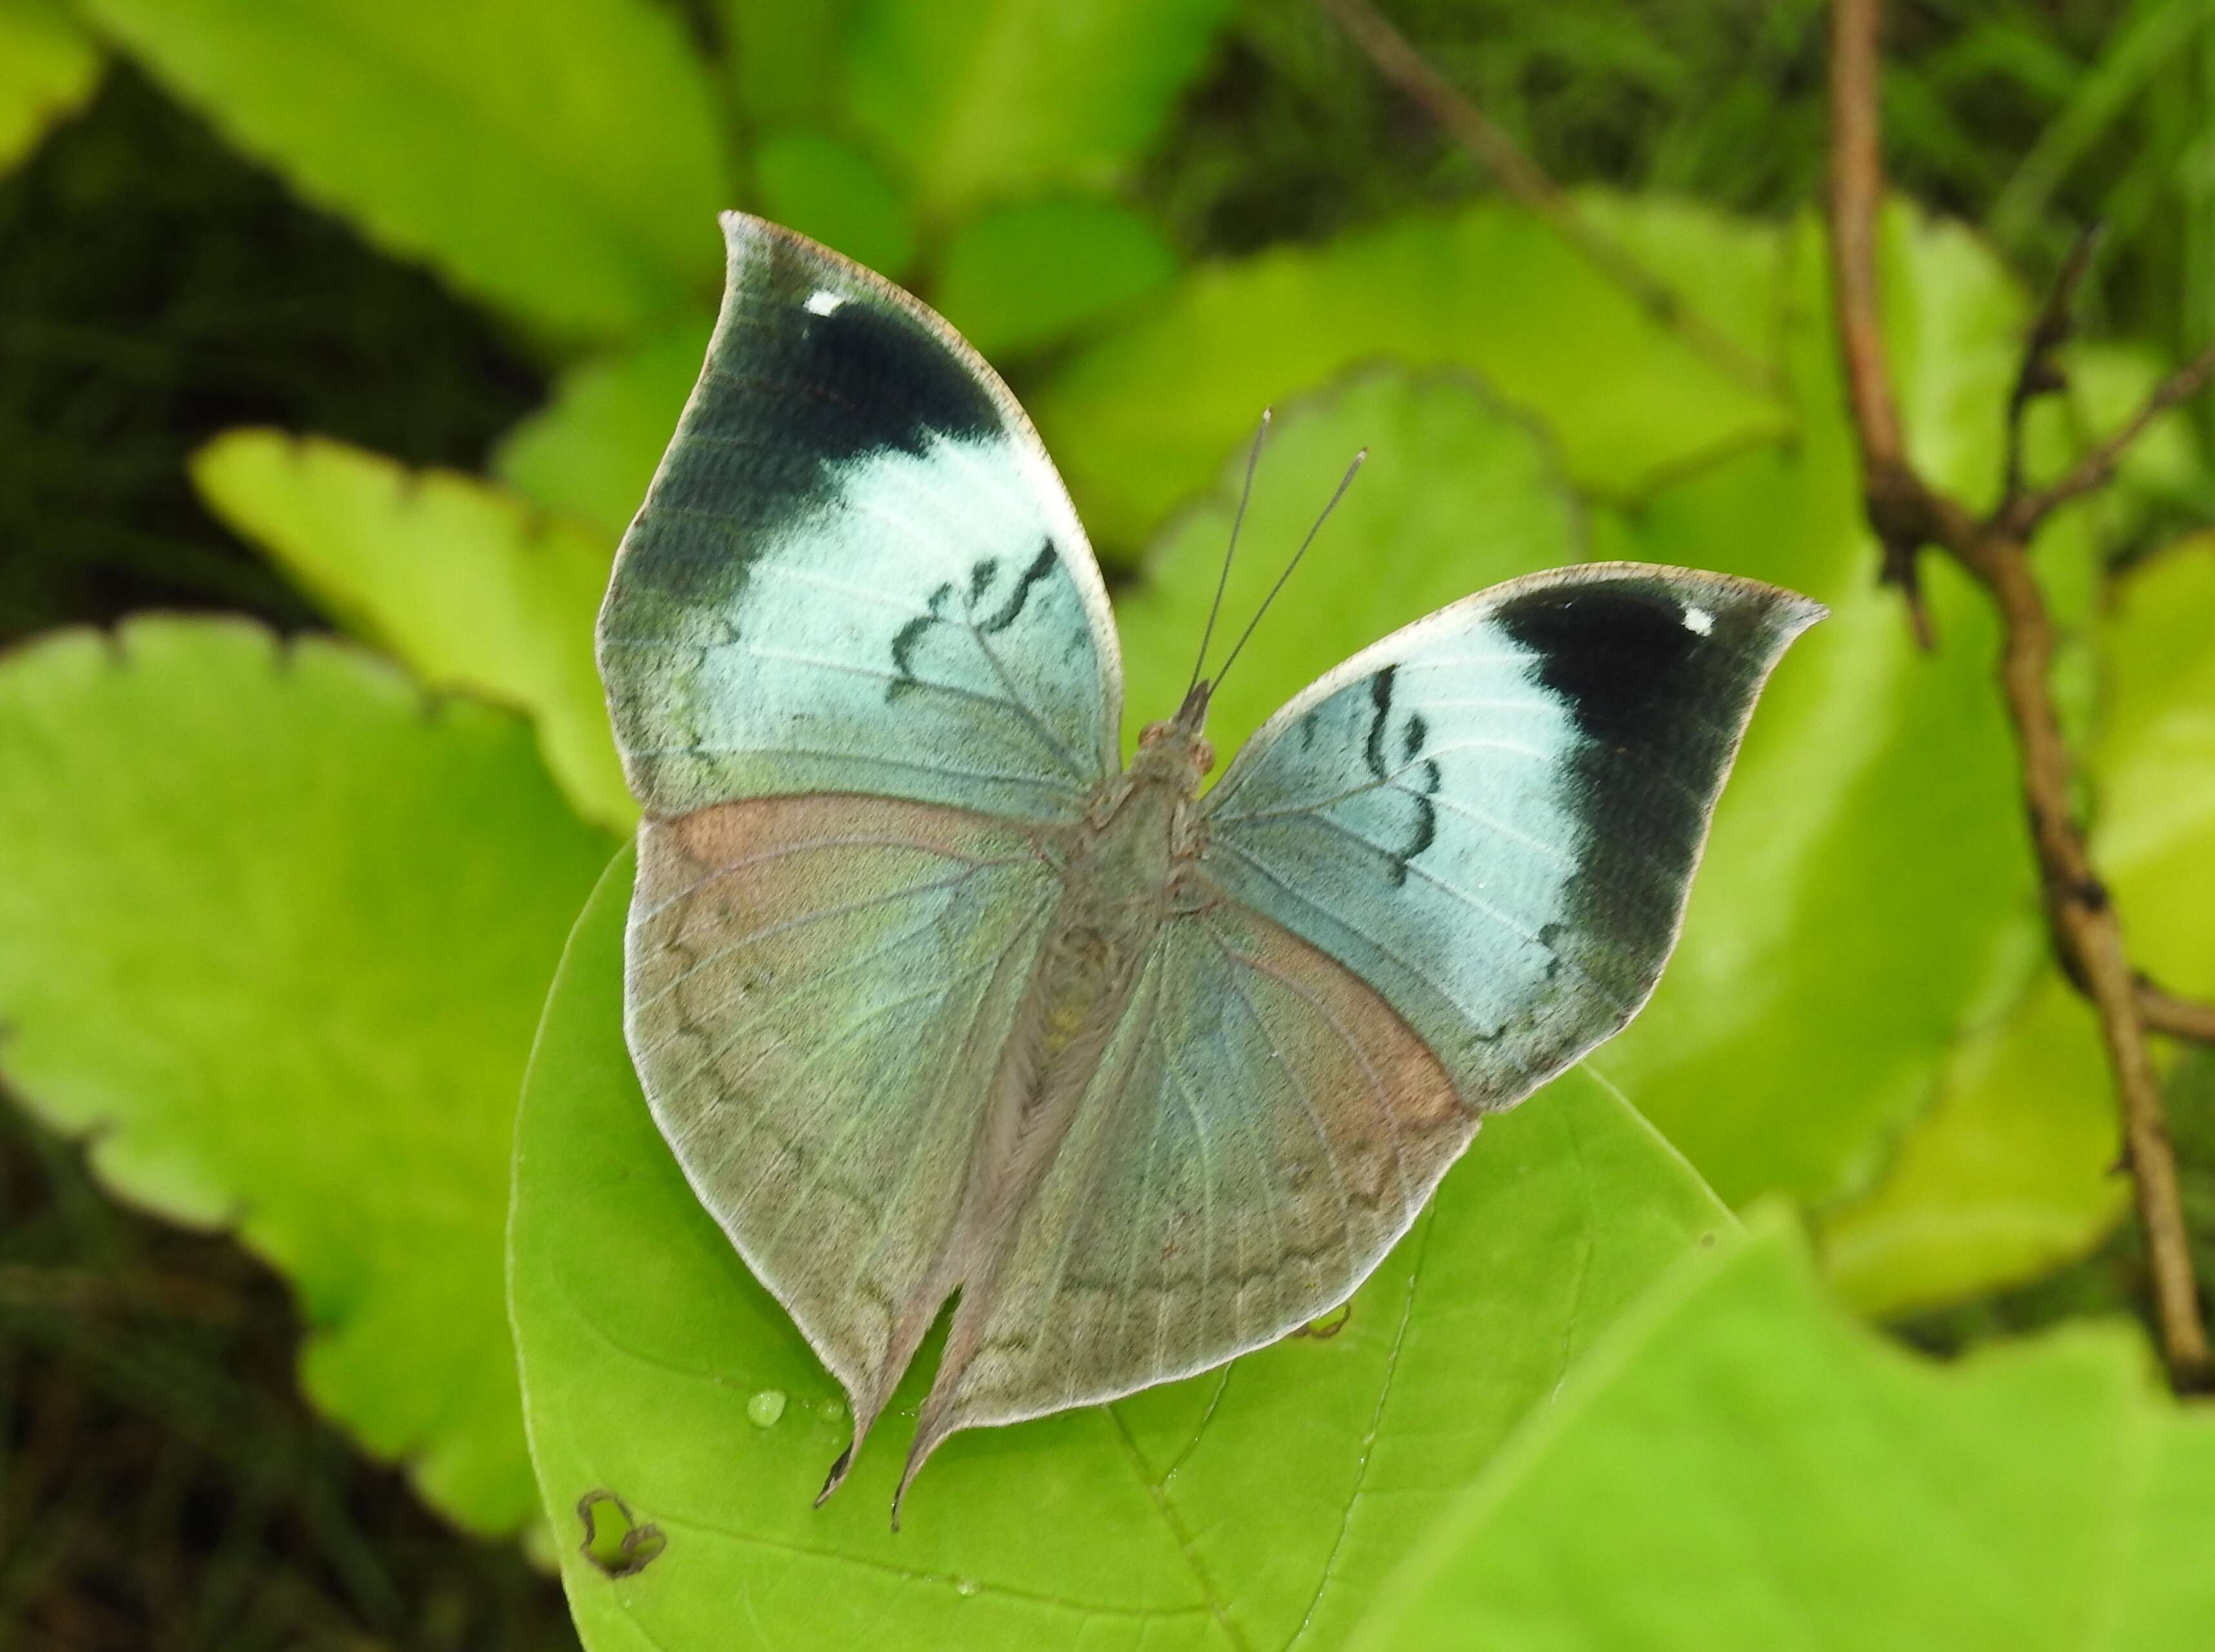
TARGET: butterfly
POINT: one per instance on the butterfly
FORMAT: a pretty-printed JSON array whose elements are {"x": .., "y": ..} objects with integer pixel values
[{"x": 934, "y": 999}]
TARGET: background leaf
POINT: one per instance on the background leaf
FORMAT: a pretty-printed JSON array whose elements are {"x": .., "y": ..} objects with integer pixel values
[
  {"x": 2155, "y": 766},
  {"x": 467, "y": 584},
  {"x": 1141, "y": 420},
  {"x": 2010, "y": 1173},
  {"x": 786, "y": 59},
  {"x": 1003, "y": 98},
  {"x": 1239, "y": 1507},
  {"x": 1742, "y": 1467},
  {"x": 274, "y": 931},
  {"x": 1022, "y": 277},
  {"x": 563, "y": 165},
  {"x": 48, "y": 66},
  {"x": 590, "y": 452},
  {"x": 829, "y": 190}
]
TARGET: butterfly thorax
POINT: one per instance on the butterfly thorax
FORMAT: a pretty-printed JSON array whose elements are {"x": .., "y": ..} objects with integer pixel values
[{"x": 1118, "y": 886}]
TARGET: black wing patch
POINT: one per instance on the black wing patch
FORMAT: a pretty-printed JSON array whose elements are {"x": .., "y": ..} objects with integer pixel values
[{"x": 1658, "y": 688}]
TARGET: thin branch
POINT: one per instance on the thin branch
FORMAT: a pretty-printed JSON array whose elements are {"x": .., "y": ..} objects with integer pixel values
[
  {"x": 1523, "y": 178},
  {"x": 1909, "y": 516},
  {"x": 2041, "y": 374},
  {"x": 2165, "y": 1012},
  {"x": 2097, "y": 468},
  {"x": 1900, "y": 509}
]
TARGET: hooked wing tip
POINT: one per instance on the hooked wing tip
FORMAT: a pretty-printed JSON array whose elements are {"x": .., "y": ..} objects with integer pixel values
[{"x": 837, "y": 1475}]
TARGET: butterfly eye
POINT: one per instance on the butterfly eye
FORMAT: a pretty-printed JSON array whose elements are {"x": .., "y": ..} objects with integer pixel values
[
  {"x": 1203, "y": 753},
  {"x": 1152, "y": 733}
]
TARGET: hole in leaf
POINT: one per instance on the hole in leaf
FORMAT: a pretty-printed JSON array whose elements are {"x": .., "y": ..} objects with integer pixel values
[
  {"x": 614, "y": 1542},
  {"x": 1330, "y": 1325}
]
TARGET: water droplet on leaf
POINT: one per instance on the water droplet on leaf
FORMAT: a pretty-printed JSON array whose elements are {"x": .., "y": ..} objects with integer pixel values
[{"x": 765, "y": 1408}]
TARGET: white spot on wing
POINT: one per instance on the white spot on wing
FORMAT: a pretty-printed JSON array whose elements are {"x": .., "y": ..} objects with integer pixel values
[
  {"x": 824, "y": 302},
  {"x": 1699, "y": 621}
]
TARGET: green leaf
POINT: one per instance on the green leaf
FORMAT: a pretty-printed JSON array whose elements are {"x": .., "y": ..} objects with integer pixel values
[
  {"x": 48, "y": 66},
  {"x": 1742, "y": 1467},
  {"x": 590, "y": 452},
  {"x": 2008, "y": 1175},
  {"x": 822, "y": 187},
  {"x": 1024, "y": 276},
  {"x": 1142, "y": 418},
  {"x": 1235, "y": 1509},
  {"x": 1867, "y": 893},
  {"x": 272, "y": 935},
  {"x": 2155, "y": 767},
  {"x": 1457, "y": 493},
  {"x": 1003, "y": 98},
  {"x": 464, "y": 582},
  {"x": 562, "y": 164}
]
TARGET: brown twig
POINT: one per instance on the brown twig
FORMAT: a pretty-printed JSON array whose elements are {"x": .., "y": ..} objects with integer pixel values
[
  {"x": 2020, "y": 516},
  {"x": 2165, "y": 1012},
  {"x": 2041, "y": 374},
  {"x": 1908, "y": 516},
  {"x": 1523, "y": 179}
]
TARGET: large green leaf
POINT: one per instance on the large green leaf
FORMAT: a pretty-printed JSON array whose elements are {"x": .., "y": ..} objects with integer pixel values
[
  {"x": 1141, "y": 419},
  {"x": 1000, "y": 98},
  {"x": 2155, "y": 769},
  {"x": 1742, "y": 1467},
  {"x": 560, "y": 162},
  {"x": 48, "y": 64},
  {"x": 273, "y": 934},
  {"x": 464, "y": 581},
  {"x": 1242, "y": 1508}
]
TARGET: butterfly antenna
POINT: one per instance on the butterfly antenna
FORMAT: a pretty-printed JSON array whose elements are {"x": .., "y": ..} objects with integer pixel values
[
  {"x": 1223, "y": 580},
  {"x": 1345, "y": 481}
]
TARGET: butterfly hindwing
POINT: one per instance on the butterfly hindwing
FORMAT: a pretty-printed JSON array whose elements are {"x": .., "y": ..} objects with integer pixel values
[
  {"x": 855, "y": 569},
  {"x": 1493, "y": 815},
  {"x": 1262, "y": 1129},
  {"x": 817, "y": 991}
]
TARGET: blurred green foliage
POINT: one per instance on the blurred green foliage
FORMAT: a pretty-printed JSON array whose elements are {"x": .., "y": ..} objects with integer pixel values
[{"x": 377, "y": 316}]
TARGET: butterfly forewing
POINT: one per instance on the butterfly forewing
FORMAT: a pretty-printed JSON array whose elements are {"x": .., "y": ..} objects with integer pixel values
[
  {"x": 1493, "y": 816},
  {"x": 855, "y": 569}
]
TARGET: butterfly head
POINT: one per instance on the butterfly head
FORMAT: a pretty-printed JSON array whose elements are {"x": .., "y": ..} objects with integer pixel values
[{"x": 1178, "y": 745}]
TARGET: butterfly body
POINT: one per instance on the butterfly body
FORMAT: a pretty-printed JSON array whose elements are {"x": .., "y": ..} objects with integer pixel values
[{"x": 935, "y": 1001}]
